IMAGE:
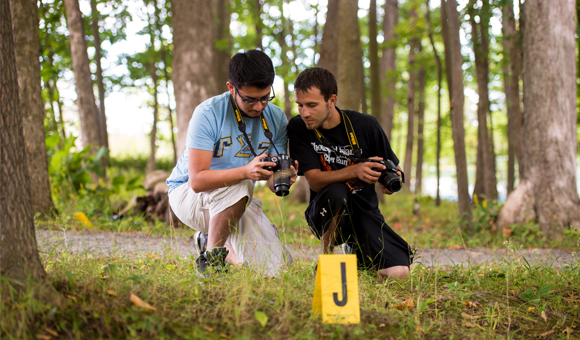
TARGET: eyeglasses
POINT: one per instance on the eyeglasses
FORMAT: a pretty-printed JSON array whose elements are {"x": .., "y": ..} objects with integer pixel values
[{"x": 252, "y": 101}]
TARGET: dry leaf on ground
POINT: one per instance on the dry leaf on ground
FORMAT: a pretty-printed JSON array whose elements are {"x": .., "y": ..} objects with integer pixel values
[
  {"x": 545, "y": 334},
  {"x": 543, "y": 315},
  {"x": 43, "y": 337},
  {"x": 407, "y": 304},
  {"x": 470, "y": 317},
  {"x": 470, "y": 304},
  {"x": 140, "y": 303},
  {"x": 208, "y": 328},
  {"x": 51, "y": 332},
  {"x": 70, "y": 297},
  {"x": 226, "y": 336},
  {"x": 111, "y": 292}
]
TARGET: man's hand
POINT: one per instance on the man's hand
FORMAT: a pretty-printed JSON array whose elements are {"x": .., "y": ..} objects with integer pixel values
[
  {"x": 400, "y": 174},
  {"x": 255, "y": 169},
  {"x": 294, "y": 176},
  {"x": 364, "y": 171}
]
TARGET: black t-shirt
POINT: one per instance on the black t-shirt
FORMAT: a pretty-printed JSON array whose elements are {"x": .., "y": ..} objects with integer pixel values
[{"x": 312, "y": 154}]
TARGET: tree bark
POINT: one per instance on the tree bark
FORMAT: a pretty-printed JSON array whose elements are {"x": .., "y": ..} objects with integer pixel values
[
  {"x": 413, "y": 45},
  {"x": 374, "y": 59},
  {"x": 19, "y": 257},
  {"x": 439, "y": 78},
  {"x": 349, "y": 73},
  {"x": 388, "y": 65},
  {"x": 104, "y": 134},
  {"x": 153, "y": 148},
  {"x": 194, "y": 82},
  {"x": 88, "y": 111},
  {"x": 222, "y": 51},
  {"x": 26, "y": 46},
  {"x": 167, "y": 77},
  {"x": 512, "y": 52},
  {"x": 550, "y": 118},
  {"x": 485, "y": 181},
  {"x": 328, "y": 53},
  {"x": 455, "y": 59},
  {"x": 420, "y": 139}
]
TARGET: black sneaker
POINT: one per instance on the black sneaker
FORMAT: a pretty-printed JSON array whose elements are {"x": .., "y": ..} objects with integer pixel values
[
  {"x": 212, "y": 261},
  {"x": 200, "y": 242}
]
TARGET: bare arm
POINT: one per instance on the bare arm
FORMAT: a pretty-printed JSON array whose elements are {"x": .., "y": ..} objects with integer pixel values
[
  {"x": 318, "y": 180},
  {"x": 201, "y": 178}
]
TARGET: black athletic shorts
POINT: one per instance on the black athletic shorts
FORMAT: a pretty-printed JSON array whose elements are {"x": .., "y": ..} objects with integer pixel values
[{"x": 376, "y": 245}]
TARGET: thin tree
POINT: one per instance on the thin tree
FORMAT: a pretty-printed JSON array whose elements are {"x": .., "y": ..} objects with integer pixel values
[
  {"x": 420, "y": 127},
  {"x": 88, "y": 111},
  {"x": 512, "y": 65},
  {"x": 439, "y": 78},
  {"x": 550, "y": 118},
  {"x": 193, "y": 80},
  {"x": 163, "y": 55},
  {"x": 104, "y": 134},
  {"x": 152, "y": 69},
  {"x": 26, "y": 40},
  {"x": 348, "y": 75},
  {"x": 388, "y": 65},
  {"x": 375, "y": 75},
  {"x": 485, "y": 181},
  {"x": 454, "y": 61},
  {"x": 411, "y": 70},
  {"x": 19, "y": 259}
]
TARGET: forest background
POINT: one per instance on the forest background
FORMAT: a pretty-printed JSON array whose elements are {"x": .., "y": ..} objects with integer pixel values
[{"x": 480, "y": 104}]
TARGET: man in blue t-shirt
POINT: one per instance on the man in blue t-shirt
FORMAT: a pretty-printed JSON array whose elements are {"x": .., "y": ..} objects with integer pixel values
[{"x": 211, "y": 187}]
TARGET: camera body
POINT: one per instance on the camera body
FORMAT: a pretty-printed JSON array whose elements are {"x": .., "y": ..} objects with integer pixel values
[
  {"x": 282, "y": 173},
  {"x": 389, "y": 178}
]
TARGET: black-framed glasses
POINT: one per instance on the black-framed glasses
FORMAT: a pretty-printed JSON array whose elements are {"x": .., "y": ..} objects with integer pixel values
[{"x": 252, "y": 101}]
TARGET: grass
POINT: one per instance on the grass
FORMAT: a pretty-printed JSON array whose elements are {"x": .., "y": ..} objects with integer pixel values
[{"x": 503, "y": 300}]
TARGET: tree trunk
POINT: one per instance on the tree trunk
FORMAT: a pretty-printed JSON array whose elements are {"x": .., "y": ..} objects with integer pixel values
[
  {"x": 19, "y": 257},
  {"x": 194, "y": 82},
  {"x": 104, "y": 134},
  {"x": 455, "y": 59},
  {"x": 162, "y": 53},
  {"x": 258, "y": 24},
  {"x": 151, "y": 162},
  {"x": 511, "y": 45},
  {"x": 26, "y": 46},
  {"x": 315, "y": 32},
  {"x": 349, "y": 73},
  {"x": 328, "y": 53},
  {"x": 388, "y": 65},
  {"x": 374, "y": 59},
  {"x": 439, "y": 78},
  {"x": 88, "y": 111},
  {"x": 420, "y": 139},
  {"x": 549, "y": 196},
  {"x": 408, "y": 164},
  {"x": 222, "y": 43},
  {"x": 485, "y": 181}
]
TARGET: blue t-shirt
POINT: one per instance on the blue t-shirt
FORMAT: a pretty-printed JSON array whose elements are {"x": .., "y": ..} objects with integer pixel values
[{"x": 213, "y": 127}]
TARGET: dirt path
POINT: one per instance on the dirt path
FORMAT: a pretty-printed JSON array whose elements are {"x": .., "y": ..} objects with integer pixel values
[{"x": 108, "y": 244}]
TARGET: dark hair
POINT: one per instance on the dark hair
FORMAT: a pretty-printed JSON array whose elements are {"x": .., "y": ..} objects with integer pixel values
[
  {"x": 251, "y": 68},
  {"x": 319, "y": 78}
]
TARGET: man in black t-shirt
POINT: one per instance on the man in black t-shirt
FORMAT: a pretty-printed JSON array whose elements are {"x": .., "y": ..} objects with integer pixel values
[{"x": 330, "y": 144}]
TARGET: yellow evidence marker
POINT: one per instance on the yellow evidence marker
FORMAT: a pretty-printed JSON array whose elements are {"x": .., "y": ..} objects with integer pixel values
[{"x": 336, "y": 291}]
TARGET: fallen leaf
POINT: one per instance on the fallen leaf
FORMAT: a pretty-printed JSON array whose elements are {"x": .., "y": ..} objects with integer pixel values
[
  {"x": 470, "y": 317},
  {"x": 470, "y": 304},
  {"x": 43, "y": 337},
  {"x": 507, "y": 232},
  {"x": 111, "y": 292},
  {"x": 152, "y": 255},
  {"x": 568, "y": 330},
  {"x": 81, "y": 217},
  {"x": 70, "y": 297},
  {"x": 531, "y": 309},
  {"x": 208, "y": 328},
  {"x": 140, "y": 303},
  {"x": 382, "y": 325},
  {"x": 419, "y": 330},
  {"x": 472, "y": 325},
  {"x": 50, "y": 331},
  {"x": 226, "y": 336},
  {"x": 512, "y": 292},
  {"x": 261, "y": 317},
  {"x": 543, "y": 315},
  {"x": 409, "y": 304},
  {"x": 454, "y": 247},
  {"x": 545, "y": 334}
]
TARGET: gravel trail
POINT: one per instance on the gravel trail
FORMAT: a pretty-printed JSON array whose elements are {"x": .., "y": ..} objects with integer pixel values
[{"x": 110, "y": 244}]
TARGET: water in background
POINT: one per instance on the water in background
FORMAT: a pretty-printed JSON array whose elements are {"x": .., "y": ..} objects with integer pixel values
[{"x": 448, "y": 184}]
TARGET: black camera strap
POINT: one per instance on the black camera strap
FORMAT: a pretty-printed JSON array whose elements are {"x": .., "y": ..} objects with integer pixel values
[
  {"x": 242, "y": 126},
  {"x": 350, "y": 135}
]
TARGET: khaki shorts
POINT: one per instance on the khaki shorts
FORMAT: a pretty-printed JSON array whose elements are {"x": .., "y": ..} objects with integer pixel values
[{"x": 255, "y": 241}]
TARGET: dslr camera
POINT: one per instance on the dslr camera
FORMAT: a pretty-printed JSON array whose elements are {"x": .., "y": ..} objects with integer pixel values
[
  {"x": 389, "y": 178},
  {"x": 282, "y": 173}
]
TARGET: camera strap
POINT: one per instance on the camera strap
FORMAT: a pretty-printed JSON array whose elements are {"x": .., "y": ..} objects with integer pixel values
[
  {"x": 350, "y": 135},
  {"x": 242, "y": 126}
]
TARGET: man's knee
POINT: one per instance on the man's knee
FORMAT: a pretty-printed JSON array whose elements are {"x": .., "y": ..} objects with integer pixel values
[{"x": 337, "y": 193}]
